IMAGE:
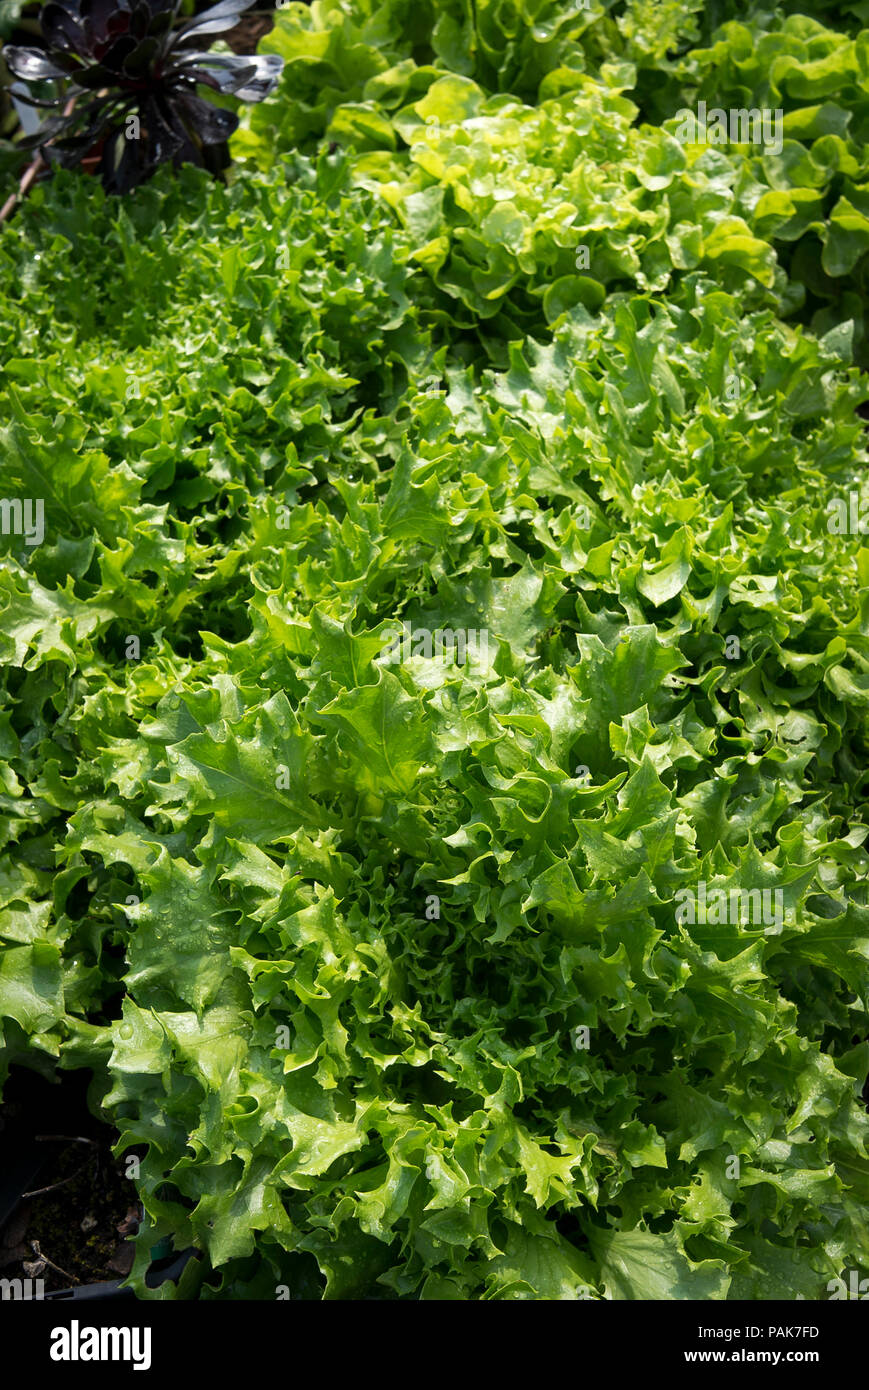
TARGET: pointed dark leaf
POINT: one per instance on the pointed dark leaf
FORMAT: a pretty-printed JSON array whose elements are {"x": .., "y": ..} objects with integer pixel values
[
  {"x": 219, "y": 71},
  {"x": 26, "y": 99},
  {"x": 62, "y": 29},
  {"x": 47, "y": 130},
  {"x": 216, "y": 158},
  {"x": 141, "y": 58},
  {"x": 69, "y": 150},
  {"x": 250, "y": 78},
  {"x": 266, "y": 77},
  {"x": 98, "y": 15},
  {"x": 210, "y": 123},
  {"x": 124, "y": 164},
  {"x": 161, "y": 24},
  {"x": 31, "y": 65},
  {"x": 162, "y": 8},
  {"x": 96, "y": 76},
  {"x": 140, "y": 21},
  {"x": 166, "y": 133},
  {"x": 216, "y": 20},
  {"x": 112, "y": 56}
]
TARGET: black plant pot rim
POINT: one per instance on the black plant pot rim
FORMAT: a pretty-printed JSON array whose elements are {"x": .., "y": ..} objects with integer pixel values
[{"x": 113, "y": 1290}]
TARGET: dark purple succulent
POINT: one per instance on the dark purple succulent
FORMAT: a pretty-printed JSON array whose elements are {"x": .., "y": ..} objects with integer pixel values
[{"x": 128, "y": 74}]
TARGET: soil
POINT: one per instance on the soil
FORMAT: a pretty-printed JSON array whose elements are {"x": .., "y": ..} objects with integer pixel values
[
  {"x": 82, "y": 1224},
  {"x": 248, "y": 32}
]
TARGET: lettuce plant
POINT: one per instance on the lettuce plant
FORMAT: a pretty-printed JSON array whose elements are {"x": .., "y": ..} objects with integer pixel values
[
  {"x": 419, "y": 93},
  {"x": 383, "y": 968}
]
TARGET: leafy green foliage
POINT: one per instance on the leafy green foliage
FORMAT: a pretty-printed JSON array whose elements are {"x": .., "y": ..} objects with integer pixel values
[
  {"x": 380, "y": 964},
  {"x": 572, "y": 159}
]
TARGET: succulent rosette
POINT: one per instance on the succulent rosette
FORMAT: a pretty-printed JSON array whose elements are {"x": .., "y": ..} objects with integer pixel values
[{"x": 128, "y": 75}]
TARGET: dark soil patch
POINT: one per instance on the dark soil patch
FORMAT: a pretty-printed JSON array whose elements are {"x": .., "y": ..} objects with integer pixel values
[
  {"x": 82, "y": 1222},
  {"x": 248, "y": 32}
]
